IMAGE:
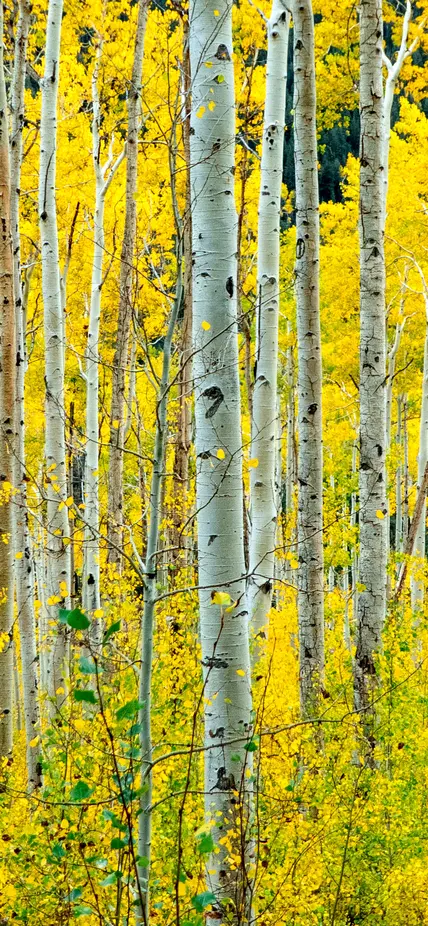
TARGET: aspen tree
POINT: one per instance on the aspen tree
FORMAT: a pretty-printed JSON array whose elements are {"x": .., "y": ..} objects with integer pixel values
[
  {"x": 372, "y": 487},
  {"x": 7, "y": 412},
  {"x": 24, "y": 561},
  {"x": 58, "y": 559},
  {"x": 309, "y": 382},
  {"x": 151, "y": 565},
  {"x": 264, "y": 425},
  {"x": 117, "y": 412},
  {"x": 223, "y": 612},
  {"x": 103, "y": 177}
]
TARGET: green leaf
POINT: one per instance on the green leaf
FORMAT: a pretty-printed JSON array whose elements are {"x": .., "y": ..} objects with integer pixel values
[
  {"x": 205, "y": 843},
  {"x": 219, "y": 79},
  {"x": 143, "y": 861},
  {"x": 236, "y": 757},
  {"x": 200, "y": 901},
  {"x": 251, "y": 746},
  {"x": 128, "y": 711},
  {"x": 63, "y": 615},
  {"x": 110, "y": 630},
  {"x": 82, "y": 694},
  {"x": 75, "y": 894},
  {"x": 113, "y": 878},
  {"x": 83, "y": 911},
  {"x": 118, "y": 843},
  {"x": 87, "y": 666},
  {"x": 77, "y": 620},
  {"x": 58, "y": 851},
  {"x": 81, "y": 791}
]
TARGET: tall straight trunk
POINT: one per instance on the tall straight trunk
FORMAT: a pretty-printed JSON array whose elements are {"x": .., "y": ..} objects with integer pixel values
[
  {"x": 398, "y": 477},
  {"x": 309, "y": 383},
  {"x": 393, "y": 72},
  {"x": 184, "y": 436},
  {"x": 103, "y": 176},
  {"x": 264, "y": 511},
  {"x": 58, "y": 558},
  {"x": 7, "y": 414},
  {"x": 373, "y": 506},
  {"x": 118, "y": 404},
  {"x": 353, "y": 521},
  {"x": 223, "y": 626},
  {"x": 152, "y": 565},
  {"x": 24, "y": 562},
  {"x": 417, "y": 584}
]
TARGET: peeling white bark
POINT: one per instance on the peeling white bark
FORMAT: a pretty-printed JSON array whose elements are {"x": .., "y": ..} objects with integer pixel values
[
  {"x": 7, "y": 409},
  {"x": 264, "y": 510},
  {"x": 373, "y": 507},
  {"x": 309, "y": 384},
  {"x": 24, "y": 564},
  {"x": 224, "y": 633},
  {"x": 103, "y": 177},
  {"x": 56, "y": 481},
  {"x": 117, "y": 412}
]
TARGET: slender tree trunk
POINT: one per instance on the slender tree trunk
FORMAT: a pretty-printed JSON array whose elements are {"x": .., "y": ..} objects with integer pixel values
[
  {"x": 263, "y": 501},
  {"x": 310, "y": 461},
  {"x": 24, "y": 568},
  {"x": 398, "y": 477},
  {"x": 354, "y": 552},
  {"x": 117, "y": 413},
  {"x": 417, "y": 583},
  {"x": 224, "y": 626},
  {"x": 7, "y": 415},
  {"x": 58, "y": 555},
  {"x": 150, "y": 594},
  {"x": 373, "y": 506},
  {"x": 103, "y": 177},
  {"x": 184, "y": 435},
  {"x": 406, "y": 476}
]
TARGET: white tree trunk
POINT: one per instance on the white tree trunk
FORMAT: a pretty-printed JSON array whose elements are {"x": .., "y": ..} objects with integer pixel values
[
  {"x": 117, "y": 412},
  {"x": 263, "y": 501},
  {"x": 398, "y": 496},
  {"x": 24, "y": 562},
  {"x": 56, "y": 481},
  {"x": 224, "y": 629},
  {"x": 7, "y": 412},
  {"x": 150, "y": 593},
  {"x": 417, "y": 584},
  {"x": 103, "y": 177},
  {"x": 373, "y": 507},
  {"x": 310, "y": 459}
]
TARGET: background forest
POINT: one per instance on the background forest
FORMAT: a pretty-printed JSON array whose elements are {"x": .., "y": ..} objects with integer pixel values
[{"x": 214, "y": 462}]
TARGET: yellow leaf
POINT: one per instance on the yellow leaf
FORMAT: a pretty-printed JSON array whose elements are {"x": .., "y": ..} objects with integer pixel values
[
  {"x": 240, "y": 672},
  {"x": 216, "y": 13},
  {"x": 60, "y": 691},
  {"x": 208, "y": 64},
  {"x": 220, "y": 454},
  {"x": 64, "y": 824},
  {"x": 69, "y": 501},
  {"x": 34, "y": 742},
  {"x": 200, "y": 112},
  {"x": 99, "y": 612},
  {"x": 61, "y": 506},
  {"x": 206, "y": 326},
  {"x": 253, "y": 463},
  {"x": 221, "y": 598},
  {"x": 211, "y": 105},
  {"x": 380, "y": 514},
  {"x": 19, "y": 555},
  {"x": 116, "y": 423}
]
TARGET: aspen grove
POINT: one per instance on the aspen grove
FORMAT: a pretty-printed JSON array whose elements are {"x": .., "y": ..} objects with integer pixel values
[{"x": 214, "y": 462}]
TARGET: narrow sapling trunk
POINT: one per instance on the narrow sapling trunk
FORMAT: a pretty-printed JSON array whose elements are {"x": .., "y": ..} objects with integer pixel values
[{"x": 309, "y": 383}]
